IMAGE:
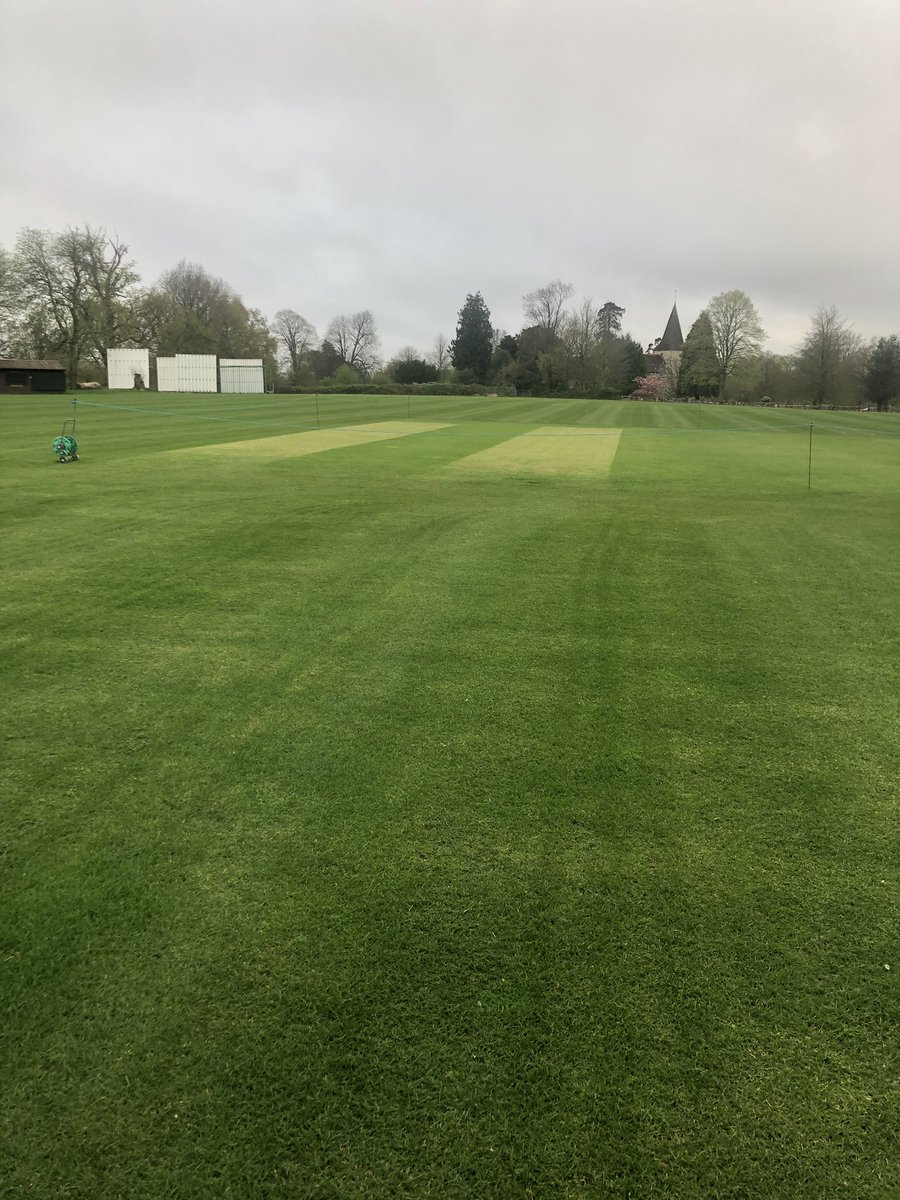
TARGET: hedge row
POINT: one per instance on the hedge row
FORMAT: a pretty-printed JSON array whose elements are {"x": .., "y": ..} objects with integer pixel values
[{"x": 397, "y": 389}]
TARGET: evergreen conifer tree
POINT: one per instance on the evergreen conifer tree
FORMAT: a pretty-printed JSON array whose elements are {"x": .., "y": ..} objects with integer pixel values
[
  {"x": 881, "y": 376},
  {"x": 699, "y": 372},
  {"x": 471, "y": 349}
]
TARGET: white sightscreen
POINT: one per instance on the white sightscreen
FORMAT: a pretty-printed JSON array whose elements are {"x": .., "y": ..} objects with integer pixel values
[
  {"x": 196, "y": 372},
  {"x": 123, "y": 365},
  {"x": 241, "y": 375},
  {"x": 166, "y": 375}
]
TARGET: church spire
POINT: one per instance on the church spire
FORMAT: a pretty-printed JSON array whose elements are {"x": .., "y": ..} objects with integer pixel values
[{"x": 672, "y": 339}]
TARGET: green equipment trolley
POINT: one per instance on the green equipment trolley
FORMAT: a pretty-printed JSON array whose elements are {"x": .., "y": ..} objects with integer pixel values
[{"x": 65, "y": 447}]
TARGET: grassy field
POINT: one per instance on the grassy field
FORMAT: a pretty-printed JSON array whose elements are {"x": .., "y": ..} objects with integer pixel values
[{"x": 449, "y": 798}]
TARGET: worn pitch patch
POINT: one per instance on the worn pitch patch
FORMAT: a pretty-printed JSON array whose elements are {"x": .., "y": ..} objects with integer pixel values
[
  {"x": 313, "y": 441},
  {"x": 548, "y": 450}
]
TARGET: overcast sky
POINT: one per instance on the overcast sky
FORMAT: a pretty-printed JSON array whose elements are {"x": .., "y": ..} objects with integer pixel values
[{"x": 335, "y": 155}]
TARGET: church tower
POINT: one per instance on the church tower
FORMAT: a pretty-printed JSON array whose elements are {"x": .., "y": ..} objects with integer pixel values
[{"x": 665, "y": 353}]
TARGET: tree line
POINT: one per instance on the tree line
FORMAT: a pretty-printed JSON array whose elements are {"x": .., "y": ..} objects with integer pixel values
[
  {"x": 557, "y": 350},
  {"x": 73, "y": 294},
  {"x": 833, "y": 367}
]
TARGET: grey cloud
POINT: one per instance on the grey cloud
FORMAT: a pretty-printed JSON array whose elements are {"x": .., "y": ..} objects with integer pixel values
[{"x": 331, "y": 157}]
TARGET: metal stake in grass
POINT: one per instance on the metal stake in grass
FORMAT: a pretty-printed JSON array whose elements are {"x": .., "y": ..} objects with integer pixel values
[
  {"x": 809, "y": 471},
  {"x": 317, "y": 410}
]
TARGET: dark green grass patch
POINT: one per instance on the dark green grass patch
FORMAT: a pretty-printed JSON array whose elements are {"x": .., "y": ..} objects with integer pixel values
[{"x": 370, "y": 831}]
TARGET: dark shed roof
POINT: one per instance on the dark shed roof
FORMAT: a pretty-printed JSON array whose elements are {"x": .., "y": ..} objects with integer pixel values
[{"x": 29, "y": 364}]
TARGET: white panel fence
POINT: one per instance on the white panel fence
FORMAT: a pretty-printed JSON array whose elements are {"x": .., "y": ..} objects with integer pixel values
[
  {"x": 196, "y": 372},
  {"x": 187, "y": 373},
  {"x": 166, "y": 375},
  {"x": 241, "y": 375},
  {"x": 123, "y": 367}
]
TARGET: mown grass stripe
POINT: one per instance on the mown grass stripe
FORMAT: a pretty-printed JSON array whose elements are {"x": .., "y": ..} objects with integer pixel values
[
  {"x": 548, "y": 450},
  {"x": 314, "y": 441}
]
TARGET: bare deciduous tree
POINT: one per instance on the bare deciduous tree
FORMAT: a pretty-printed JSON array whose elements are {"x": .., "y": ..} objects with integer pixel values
[
  {"x": 355, "y": 338},
  {"x": 296, "y": 337},
  {"x": 545, "y": 306},
  {"x": 77, "y": 281},
  {"x": 111, "y": 280},
  {"x": 827, "y": 357},
  {"x": 440, "y": 355},
  {"x": 579, "y": 334},
  {"x": 737, "y": 332}
]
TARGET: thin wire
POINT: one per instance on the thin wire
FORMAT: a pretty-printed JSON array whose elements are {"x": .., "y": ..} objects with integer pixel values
[
  {"x": 852, "y": 430},
  {"x": 596, "y": 432}
]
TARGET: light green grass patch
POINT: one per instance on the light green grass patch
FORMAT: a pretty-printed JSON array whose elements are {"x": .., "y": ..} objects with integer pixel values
[
  {"x": 314, "y": 441},
  {"x": 548, "y": 450}
]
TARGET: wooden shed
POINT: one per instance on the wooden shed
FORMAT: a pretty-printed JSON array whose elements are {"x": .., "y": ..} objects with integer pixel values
[{"x": 24, "y": 376}]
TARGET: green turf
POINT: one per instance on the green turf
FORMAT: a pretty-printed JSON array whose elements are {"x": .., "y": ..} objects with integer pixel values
[{"x": 374, "y": 829}]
